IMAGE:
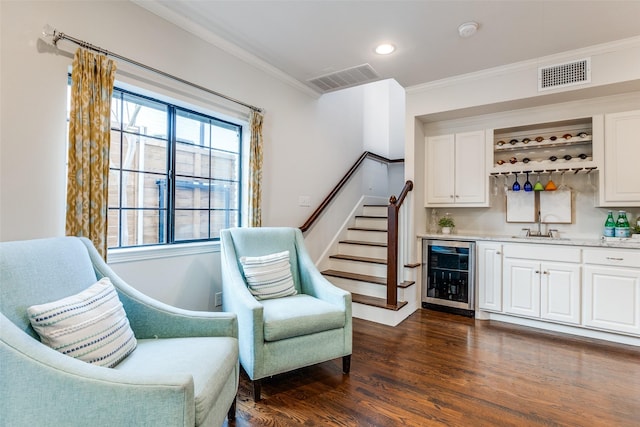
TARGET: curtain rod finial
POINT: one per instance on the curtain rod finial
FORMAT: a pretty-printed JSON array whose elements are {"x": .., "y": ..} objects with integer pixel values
[
  {"x": 51, "y": 33},
  {"x": 48, "y": 31}
]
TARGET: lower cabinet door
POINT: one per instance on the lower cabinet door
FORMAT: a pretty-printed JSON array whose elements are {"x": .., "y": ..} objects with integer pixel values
[
  {"x": 612, "y": 299},
  {"x": 521, "y": 287},
  {"x": 560, "y": 292}
]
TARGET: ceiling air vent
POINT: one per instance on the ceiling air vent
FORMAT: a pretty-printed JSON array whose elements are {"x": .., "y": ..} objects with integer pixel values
[
  {"x": 345, "y": 78},
  {"x": 562, "y": 75}
]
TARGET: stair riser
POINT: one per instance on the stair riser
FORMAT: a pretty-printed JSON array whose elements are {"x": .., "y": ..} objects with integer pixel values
[
  {"x": 367, "y": 236},
  {"x": 357, "y": 287},
  {"x": 375, "y": 210},
  {"x": 358, "y": 267},
  {"x": 362, "y": 250},
  {"x": 377, "y": 223}
]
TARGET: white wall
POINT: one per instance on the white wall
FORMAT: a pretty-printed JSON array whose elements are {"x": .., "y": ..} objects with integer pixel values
[{"x": 309, "y": 142}]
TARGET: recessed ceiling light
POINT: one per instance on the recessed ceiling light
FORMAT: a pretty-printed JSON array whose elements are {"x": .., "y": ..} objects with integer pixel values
[
  {"x": 468, "y": 29},
  {"x": 385, "y": 49}
]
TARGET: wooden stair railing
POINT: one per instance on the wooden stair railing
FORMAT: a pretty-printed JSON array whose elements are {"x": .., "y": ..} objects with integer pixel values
[
  {"x": 392, "y": 243},
  {"x": 392, "y": 222},
  {"x": 316, "y": 214}
]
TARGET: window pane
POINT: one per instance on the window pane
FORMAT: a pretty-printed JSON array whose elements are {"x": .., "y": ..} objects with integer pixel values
[
  {"x": 192, "y": 129},
  {"x": 225, "y": 166},
  {"x": 154, "y": 158},
  {"x": 225, "y": 138},
  {"x": 116, "y": 110},
  {"x": 192, "y": 193},
  {"x": 223, "y": 219},
  {"x": 192, "y": 160},
  {"x": 224, "y": 195},
  {"x": 143, "y": 190},
  {"x": 113, "y": 200},
  {"x": 191, "y": 224},
  {"x": 143, "y": 116},
  {"x": 113, "y": 226},
  {"x": 115, "y": 149},
  {"x": 143, "y": 227}
]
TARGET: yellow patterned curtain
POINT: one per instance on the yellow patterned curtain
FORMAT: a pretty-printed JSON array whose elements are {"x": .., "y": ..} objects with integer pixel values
[
  {"x": 92, "y": 80},
  {"x": 255, "y": 170}
]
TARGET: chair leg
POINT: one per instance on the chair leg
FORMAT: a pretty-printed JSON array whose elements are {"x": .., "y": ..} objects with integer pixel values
[
  {"x": 257, "y": 388},
  {"x": 346, "y": 364},
  {"x": 231, "y": 415}
]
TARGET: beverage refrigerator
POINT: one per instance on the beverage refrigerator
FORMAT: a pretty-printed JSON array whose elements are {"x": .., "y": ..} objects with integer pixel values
[{"x": 448, "y": 276}]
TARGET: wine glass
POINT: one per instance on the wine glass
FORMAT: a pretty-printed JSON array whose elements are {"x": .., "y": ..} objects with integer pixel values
[
  {"x": 494, "y": 190},
  {"x": 527, "y": 184},
  {"x": 516, "y": 184},
  {"x": 563, "y": 186},
  {"x": 550, "y": 184},
  {"x": 538, "y": 186}
]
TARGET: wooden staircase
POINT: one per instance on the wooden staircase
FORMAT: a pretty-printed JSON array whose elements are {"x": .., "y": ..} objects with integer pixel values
[{"x": 360, "y": 266}]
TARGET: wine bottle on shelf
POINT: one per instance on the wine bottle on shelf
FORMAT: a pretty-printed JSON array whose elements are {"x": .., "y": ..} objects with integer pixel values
[
  {"x": 451, "y": 286},
  {"x": 526, "y": 160},
  {"x": 553, "y": 158},
  {"x": 583, "y": 156},
  {"x": 567, "y": 157},
  {"x": 609, "y": 225}
]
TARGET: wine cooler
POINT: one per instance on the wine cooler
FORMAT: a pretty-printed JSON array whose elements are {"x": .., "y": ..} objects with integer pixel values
[{"x": 448, "y": 276}]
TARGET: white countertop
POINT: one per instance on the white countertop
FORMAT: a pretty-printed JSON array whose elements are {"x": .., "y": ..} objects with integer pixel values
[{"x": 632, "y": 243}]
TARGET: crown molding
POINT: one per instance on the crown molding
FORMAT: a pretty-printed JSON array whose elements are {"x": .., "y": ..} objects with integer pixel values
[
  {"x": 528, "y": 64},
  {"x": 231, "y": 48}
]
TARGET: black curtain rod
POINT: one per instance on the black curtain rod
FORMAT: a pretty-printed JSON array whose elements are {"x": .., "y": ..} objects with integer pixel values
[{"x": 57, "y": 36}]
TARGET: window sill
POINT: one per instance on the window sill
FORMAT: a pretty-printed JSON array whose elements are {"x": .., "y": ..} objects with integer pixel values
[{"x": 115, "y": 256}]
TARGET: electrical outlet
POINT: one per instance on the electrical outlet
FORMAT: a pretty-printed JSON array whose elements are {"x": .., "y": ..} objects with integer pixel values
[{"x": 218, "y": 299}]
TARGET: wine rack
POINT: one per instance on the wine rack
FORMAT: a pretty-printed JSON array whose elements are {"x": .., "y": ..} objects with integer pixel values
[{"x": 557, "y": 146}]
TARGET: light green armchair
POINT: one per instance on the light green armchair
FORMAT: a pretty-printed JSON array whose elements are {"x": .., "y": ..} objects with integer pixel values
[
  {"x": 184, "y": 371},
  {"x": 287, "y": 333}
]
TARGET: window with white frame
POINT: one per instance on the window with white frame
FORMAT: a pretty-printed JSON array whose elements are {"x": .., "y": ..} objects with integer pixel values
[{"x": 175, "y": 173}]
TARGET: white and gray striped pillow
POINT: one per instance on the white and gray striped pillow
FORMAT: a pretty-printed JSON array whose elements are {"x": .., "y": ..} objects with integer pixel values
[
  {"x": 91, "y": 326},
  {"x": 269, "y": 276}
]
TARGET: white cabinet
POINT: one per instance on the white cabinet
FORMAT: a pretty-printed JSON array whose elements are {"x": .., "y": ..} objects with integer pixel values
[
  {"x": 612, "y": 290},
  {"x": 621, "y": 175},
  {"x": 456, "y": 170},
  {"x": 535, "y": 287},
  {"x": 489, "y": 276}
]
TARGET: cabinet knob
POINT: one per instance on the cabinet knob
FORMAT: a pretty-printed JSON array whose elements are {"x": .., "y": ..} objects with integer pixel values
[
  {"x": 545, "y": 272},
  {"x": 457, "y": 196},
  {"x": 497, "y": 252},
  {"x": 537, "y": 271},
  {"x": 451, "y": 196}
]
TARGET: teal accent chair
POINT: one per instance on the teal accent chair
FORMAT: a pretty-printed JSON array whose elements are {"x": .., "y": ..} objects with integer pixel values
[
  {"x": 283, "y": 334},
  {"x": 184, "y": 371}
]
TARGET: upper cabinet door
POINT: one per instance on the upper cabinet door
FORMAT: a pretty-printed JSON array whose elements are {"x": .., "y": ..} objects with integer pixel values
[
  {"x": 620, "y": 183},
  {"x": 456, "y": 170},
  {"x": 440, "y": 169},
  {"x": 470, "y": 172}
]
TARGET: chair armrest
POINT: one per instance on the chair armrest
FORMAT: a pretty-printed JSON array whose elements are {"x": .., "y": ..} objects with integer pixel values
[
  {"x": 150, "y": 318},
  {"x": 236, "y": 298},
  {"x": 40, "y": 386}
]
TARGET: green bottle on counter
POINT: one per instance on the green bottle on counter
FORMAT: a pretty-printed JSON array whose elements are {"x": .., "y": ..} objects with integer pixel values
[
  {"x": 622, "y": 225},
  {"x": 609, "y": 226}
]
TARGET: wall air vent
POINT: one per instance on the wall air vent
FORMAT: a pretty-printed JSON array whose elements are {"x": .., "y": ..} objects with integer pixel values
[
  {"x": 562, "y": 75},
  {"x": 345, "y": 78}
]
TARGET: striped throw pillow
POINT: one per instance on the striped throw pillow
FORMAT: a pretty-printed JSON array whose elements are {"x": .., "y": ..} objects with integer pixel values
[
  {"x": 269, "y": 276},
  {"x": 91, "y": 325}
]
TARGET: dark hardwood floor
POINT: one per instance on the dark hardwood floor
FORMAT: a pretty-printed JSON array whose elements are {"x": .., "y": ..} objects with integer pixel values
[{"x": 442, "y": 369}]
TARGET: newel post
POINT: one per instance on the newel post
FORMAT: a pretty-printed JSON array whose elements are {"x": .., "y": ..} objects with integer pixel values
[{"x": 392, "y": 252}]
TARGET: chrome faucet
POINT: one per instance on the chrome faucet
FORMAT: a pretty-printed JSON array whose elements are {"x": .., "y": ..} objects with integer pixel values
[{"x": 549, "y": 233}]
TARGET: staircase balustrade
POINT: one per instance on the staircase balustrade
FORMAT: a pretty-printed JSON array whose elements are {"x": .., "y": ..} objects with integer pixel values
[{"x": 392, "y": 222}]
